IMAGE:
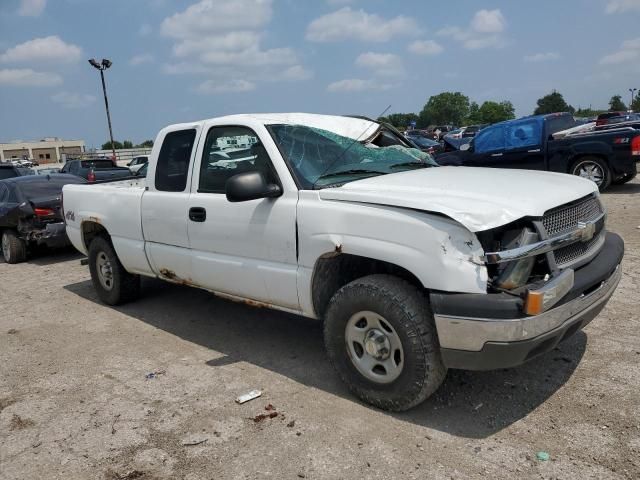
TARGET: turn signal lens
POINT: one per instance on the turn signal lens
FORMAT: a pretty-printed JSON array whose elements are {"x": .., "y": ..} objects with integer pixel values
[{"x": 534, "y": 303}]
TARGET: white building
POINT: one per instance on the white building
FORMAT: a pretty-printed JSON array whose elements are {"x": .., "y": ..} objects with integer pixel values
[{"x": 47, "y": 150}]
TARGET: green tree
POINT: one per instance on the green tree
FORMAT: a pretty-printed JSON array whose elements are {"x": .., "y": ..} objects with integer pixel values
[
  {"x": 552, "y": 103},
  {"x": 474, "y": 117},
  {"x": 616, "y": 104},
  {"x": 107, "y": 145},
  {"x": 127, "y": 144},
  {"x": 587, "y": 112},
  {"x": 493, "y": 112},
  {"x": 446, "y": 108},
  {"x": 146, "y": 144},
  {"x": 399, "y": 120}
]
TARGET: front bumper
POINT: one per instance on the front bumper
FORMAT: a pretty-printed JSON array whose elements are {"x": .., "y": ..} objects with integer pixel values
[{"x": 496, "y": 334}]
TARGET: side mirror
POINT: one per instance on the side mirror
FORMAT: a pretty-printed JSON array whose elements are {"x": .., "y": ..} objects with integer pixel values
[{"x": 250, "y": 186}]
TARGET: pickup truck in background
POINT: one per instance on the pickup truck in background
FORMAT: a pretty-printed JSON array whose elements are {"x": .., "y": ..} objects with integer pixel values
[
  {"x": 604, "y": 157},
  {"x": 413, "y": 268},
  {"x": 95, "y": 170}
]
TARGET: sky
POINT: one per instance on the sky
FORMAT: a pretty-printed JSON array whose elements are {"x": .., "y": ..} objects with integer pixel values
[{"x": 184, "y": 60}]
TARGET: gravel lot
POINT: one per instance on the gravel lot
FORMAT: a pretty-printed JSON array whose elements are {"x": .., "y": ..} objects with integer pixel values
[{"x": 75, "y": 401}]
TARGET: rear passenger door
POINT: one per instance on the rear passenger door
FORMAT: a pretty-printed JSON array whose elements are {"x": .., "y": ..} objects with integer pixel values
[{"x": 164, "y": 204}]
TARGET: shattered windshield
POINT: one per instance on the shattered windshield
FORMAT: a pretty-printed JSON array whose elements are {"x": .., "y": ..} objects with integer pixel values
[{"x": 319, "y": 158}]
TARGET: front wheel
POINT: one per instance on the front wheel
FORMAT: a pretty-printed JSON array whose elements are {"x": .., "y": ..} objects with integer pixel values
[
  {"x": 14, "y": 249},
  {"x": 113, "y": 284},
  {"x": 593, "y": 169},
  {"x": 381, "y": 338}
]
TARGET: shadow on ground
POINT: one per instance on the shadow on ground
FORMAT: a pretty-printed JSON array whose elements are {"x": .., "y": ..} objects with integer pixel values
[
  {"x": 626, "y": 189},
  {"x": 469, "y": 404},
  {"x": 51, "y": 256}
]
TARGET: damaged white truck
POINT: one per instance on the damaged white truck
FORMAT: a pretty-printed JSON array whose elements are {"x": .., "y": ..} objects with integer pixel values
[{"x": 412, "y": 267}]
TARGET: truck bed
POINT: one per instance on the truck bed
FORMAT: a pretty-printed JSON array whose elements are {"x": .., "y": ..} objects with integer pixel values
[{"x": 116, "y": 207}]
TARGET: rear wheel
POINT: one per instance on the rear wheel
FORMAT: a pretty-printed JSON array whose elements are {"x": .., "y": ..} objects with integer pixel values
[
  {"x": 381, "y": 338},
  {"x": 14, "y": 249},
  {"x": 593, "y": 169},
  {"x": 113, "y": 284}
]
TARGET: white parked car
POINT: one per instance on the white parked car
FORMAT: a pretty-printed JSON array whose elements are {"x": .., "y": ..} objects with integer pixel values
[{"x": 413, "y": 268}]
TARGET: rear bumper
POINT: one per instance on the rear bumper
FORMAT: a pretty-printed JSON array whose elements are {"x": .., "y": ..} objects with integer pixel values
[
  {"x": 497, "y": 334},
  {"x": 53, "y": 235}
]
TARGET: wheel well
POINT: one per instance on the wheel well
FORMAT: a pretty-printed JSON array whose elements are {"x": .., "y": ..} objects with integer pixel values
[
  {"x": 91, "y": 230},
  {"x": 332, "y": 272}
]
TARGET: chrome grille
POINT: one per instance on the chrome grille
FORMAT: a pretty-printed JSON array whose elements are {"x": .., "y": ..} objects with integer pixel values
[
  {"x": 567, "y": 217},
  {"x": 565, "y": 256}
]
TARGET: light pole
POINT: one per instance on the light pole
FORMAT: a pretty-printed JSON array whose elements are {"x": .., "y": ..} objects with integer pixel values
[
  {"x": 102, "y": 67},
  {"x": 633, "y": 94}
]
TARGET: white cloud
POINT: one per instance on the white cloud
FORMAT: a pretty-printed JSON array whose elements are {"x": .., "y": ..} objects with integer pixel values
[
  {"x": 73, "y": 100},
  {"x": 231, "y": 86},
  {"x": 348, "y": 24},
  {"x": 25, "y": 77},
  {"x": 49, "y": 49},
  {"x": 629, "y": 50},
  {"x": 484, "y": 31},
  {"x": 488, "y": 21},
  {"x": 384, "y": 64},
  {"x": 141, "y": 59},
  {"x": 31, "y": 8},
  {"x": 621, "y": 56},
  {"x": 207, "y": 16},
  {"x": 542, "y": 57},
  {"x": 425, "y": 47},
  {"x": 621, "y": 6},
  {"x": 340, "y": 2},
  {"x": 223, "y": 40},
  {"x": 144, "y": 30},
  {"x": 357, "y": 85},
  {"x": 296, "y": 72}
]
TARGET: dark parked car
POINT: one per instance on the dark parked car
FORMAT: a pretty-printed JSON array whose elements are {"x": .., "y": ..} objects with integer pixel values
[
  {"x": 610, "y": 118},
  {"x": 472, "y": 130},
  {"x": 427, "y": 145},
  {"x": 95, "y": 170},
  {"x": 8, "y": 170},
  {"x": 602, "y": 156},
  {"x": 30, "y": 213}
]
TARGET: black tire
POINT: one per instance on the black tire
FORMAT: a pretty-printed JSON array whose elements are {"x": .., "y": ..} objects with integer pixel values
[
  {"x": 406, "y": 309},
  {"x": 124, "y": 286},
  {"x": 14, "y": 249},
  {"x": 593, "y": 163}
]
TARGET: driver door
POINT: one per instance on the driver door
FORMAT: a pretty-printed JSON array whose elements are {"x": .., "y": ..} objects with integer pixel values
[{"x": 244, "y": 249}]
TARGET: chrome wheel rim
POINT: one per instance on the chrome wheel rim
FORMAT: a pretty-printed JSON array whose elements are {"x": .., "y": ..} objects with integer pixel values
[
  {"x": 374, "y": 347},
  {"x": 5, "y": 246},
  {"x": 104, "y": 270},
  {"x": 591, "y": 171}
]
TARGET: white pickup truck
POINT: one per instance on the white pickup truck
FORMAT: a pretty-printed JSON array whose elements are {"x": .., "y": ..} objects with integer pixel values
[{"x": 412, "y": 267}]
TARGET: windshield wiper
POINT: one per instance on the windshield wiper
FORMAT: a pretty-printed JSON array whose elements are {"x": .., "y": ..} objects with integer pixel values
[
  {"x": 353, "y": 171},
  {"x": 416, "y": 164}
]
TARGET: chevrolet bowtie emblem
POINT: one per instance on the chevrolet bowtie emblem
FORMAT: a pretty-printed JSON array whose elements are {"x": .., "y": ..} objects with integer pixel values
[{"x": 587, "y": 231}]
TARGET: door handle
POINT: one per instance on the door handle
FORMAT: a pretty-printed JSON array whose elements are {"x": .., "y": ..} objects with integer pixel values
[
  {"x": 197, "y": 214},
  {"x": 535, "y": 150},
  {"x": 496, "y": 154}
]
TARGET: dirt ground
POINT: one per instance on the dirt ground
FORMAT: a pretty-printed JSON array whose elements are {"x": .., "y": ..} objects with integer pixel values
[{"x": 76, "y": 401}]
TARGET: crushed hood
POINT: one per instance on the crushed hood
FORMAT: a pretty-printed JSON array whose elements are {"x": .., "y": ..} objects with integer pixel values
[{"x": 478, "y": 198}]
